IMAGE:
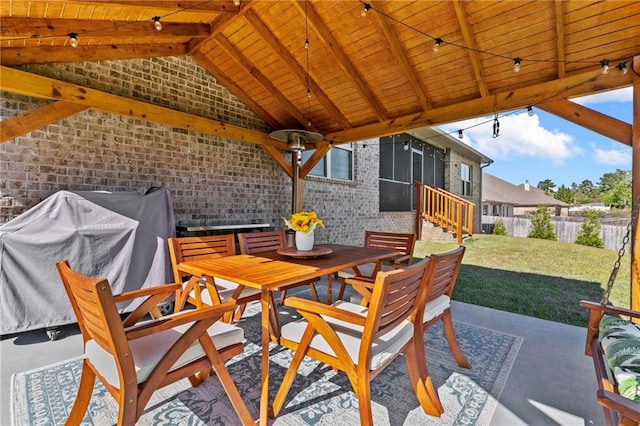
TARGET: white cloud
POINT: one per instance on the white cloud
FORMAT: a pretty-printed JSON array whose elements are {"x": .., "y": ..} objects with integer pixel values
[
  {"x": 520, "y": 136},
  {"x": 612, "y": 157},
  {"x": 620, "y": 95}
]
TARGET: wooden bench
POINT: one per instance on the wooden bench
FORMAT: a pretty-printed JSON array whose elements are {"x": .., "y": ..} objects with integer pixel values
[{"x": 601, "y": 335}]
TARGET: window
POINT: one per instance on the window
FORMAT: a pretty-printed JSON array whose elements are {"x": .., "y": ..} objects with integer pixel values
[
  {"x": 465, "y": 176},
  {"x": 337, "y": 164}
]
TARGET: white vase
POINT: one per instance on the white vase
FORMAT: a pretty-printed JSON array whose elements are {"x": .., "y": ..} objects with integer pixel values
[{"x": 304, "y": 241}]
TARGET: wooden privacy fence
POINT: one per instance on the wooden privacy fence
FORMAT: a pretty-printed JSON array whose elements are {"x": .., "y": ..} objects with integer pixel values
[{"x": 612, "y": 232}]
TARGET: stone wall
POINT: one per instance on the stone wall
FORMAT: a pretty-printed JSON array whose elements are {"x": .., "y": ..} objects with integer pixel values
[{"x": 214, "y": 180}]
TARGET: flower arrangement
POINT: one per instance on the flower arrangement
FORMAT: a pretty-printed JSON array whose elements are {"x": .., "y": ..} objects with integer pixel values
[{"x": 304, "y": 222}]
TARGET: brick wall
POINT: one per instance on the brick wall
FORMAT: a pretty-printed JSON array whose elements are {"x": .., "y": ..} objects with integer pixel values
[
  {"x": 453, "y": 183},
  {"x": 214, "y": 180}
]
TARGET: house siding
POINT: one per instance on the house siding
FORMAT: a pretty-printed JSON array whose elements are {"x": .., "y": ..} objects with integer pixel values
[{"x": 214, "y": 180}]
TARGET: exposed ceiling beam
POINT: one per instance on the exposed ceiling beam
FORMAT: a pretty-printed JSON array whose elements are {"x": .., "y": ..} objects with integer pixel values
[
  {"x": 472, "y": 49},
  {"x": 295, "y": 67},
  {"x": 559, "y": 18},
  {"x": 36, "y": 118},
  {"x": 49, "y": 54},
  {"x": 399, "y": 52},
  {"x": 191, "y": 5},
  {"x": 255, "y": 72},
  {"x": 30, "y": 28},
  {"x": 24, "y": 83},
  {"x": 279, "y": 159},
  {"x": 231, "y": 85},
  {"x": 607, "y": 126},
  {"x": 343, "y": 59},
  {"x": 321, "y": 149},
  {"x": 576, "y": 85}
]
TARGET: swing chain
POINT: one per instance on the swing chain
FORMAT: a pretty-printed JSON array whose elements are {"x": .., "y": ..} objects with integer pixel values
[{"x": 621, "y": 253}]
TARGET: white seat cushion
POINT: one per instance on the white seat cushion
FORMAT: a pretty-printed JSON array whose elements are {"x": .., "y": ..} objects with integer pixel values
[
  {"x": 436, "y": 307},
  {"x": 147, "y": 351},
  {"x": 384, "y": 347}
]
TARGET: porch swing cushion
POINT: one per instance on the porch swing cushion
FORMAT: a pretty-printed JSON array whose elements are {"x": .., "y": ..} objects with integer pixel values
[{"x": 620, "y": 340}]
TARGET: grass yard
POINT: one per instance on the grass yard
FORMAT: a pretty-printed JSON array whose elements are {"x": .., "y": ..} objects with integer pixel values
[{"x": 540, "y": 278}]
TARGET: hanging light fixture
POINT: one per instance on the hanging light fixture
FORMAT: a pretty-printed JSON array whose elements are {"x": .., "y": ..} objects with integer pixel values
[
  {"x": 73, "y": 39},
  {"x": 516, "y": 64},
  {"x": 460, "y": 135},
  {"x": 365, "y": 9},
  {"x": 530, "y": 112},
  {"x": 622, "y": 67},
  {"x": 156, "y": 23},
  {"x": 496, "y": 127},
  {"x": 236, "y": 3},
  {"x": 605, "y": 66},
  {"x": 437, "y": 44}
]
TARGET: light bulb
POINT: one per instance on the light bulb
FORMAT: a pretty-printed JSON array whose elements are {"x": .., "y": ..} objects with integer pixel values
[
  {"x": 516, "y": 64},
  {"x": 406, "y": 146},
  {"x": 306, "y": 44},
  {"x": 156, "y": 23},
  {"x": 460, "y": 134},
  {"x": 366, "y": 9},
  {"x": 605, "y": 66},
  {"x": 437, "y": 44},
  {"x": 73, "y": 39},
  {"x": 308, "y": 93},
  {"x": 622, "y": 67},
  {"x": 530, "y": 112},
  {"x": 236, "y": 3}
]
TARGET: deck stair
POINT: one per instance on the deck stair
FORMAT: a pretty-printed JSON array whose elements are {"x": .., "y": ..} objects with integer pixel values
[{"x": 443, "y": 210}]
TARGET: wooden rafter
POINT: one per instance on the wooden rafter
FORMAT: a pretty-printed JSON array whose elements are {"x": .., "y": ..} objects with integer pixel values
[
  {"x": 607, "y": 126},
  {"x": 577, "y": 85},
  {"x": 25, "y": 28},
  {"x": 251, "y": 69},
  {"x": 34, "y": 119},
  {"x": 559, "y": 18},
  {"x": 279, "y": 159},
  {"x": 472, "y": 49},
  {"x": 343, "y": 60},
  {"x": 28, "y": 84},
  {"x": 399, "y": 53},
  {"x": 191, "y": 5},
  {"x": 295, "y": 68},
  {"x": 321, "y": 150},
  {"x": 51, "y": 54}
]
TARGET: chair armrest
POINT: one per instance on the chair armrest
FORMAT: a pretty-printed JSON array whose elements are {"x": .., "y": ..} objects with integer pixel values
[
  {"x": 609, "y": 309},
  {"x": 402, "y": 260},
  {"x": 143, "y": 292},
  {"x": 621, "y": 405},
  {"x": 317, "y": 308},
  {"x": 184, "y": 317},
  {"x": 361, "y": 280}
]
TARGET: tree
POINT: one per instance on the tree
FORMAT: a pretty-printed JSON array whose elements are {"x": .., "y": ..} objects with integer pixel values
[
  {"x": 616, "y": 188},
  {"x": 499, "y": 228},
  {"x": 541, "y": 226},
  {"x": 547, "y": 186},
  {"x": 564, "y": 194},
  {"x": 589, "y": 234}
]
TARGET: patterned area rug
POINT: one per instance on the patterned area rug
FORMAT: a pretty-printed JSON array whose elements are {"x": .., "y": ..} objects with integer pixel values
[{"x": 319, "y": 396}]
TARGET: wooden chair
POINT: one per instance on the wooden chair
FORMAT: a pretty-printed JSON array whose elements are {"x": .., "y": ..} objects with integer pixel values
[
  {"x": 403, "y": 243},
  {"x": 133, "y": 359},
  {"x": 259, "y": 242},
  {"x": 446, "y": 268},
  {"x": 361, "y": 341},
  {"x": 200, "y": 291}
]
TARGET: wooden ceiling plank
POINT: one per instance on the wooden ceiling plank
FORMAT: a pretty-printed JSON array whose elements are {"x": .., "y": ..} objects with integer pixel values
[
  {"x": 560, "y": 51},
  {"x": 218, "y": 25},
  {"x": 25, "y": 83},
  {"x": 573, "y": 86},
  {"x": 37, "y": 118},
  {"x": 399, "y": 52},
  {"x": 57, "y": 54},
  {"x": 228, "y": 83},
  {"x": 343, "y": 60},
  {"x": 297, "y": 70},
  {"x": 250, "y": 68},
  {"x": 30, "y": 28},
  {"x": 600, "y": 123},
  {"x": 472, "y": 48}
]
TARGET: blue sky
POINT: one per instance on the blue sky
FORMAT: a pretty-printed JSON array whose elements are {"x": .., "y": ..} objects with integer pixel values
[{"x": 548, "y": 147}]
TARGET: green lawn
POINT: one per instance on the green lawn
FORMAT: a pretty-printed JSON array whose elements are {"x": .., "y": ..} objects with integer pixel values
[{"x": 540, "y": 278}]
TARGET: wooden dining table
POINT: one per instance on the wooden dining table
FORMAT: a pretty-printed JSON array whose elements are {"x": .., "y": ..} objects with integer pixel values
[{"x": 268, "y": 271}]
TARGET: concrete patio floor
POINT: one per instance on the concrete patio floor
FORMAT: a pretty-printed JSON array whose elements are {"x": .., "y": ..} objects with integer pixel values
[{"x": 551, "y": 382}]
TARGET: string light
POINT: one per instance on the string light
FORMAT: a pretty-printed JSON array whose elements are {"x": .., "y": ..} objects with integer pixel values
[
  {"x": 236, "y": 3},
  {"x": 156, "y": 23},
  {"x": 460, "y": 135},
  {"x": 406, "y": 146},
  {"x": 622, "y": 67},
  {"x": 366, "y": 9},
  {"x": 73, "y": 39},
  {"x": 530, "y": 112},
  {"x": 496, "y": 127},
  {"x": 516, "y": 64},
  {"x": 605, "y": 66},
  {"x": 437, "y": 44}
]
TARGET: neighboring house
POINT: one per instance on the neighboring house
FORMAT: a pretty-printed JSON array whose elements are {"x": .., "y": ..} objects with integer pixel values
[
  {"x": 599, "y": 207},
  {"x": 501, "y": 198}
]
